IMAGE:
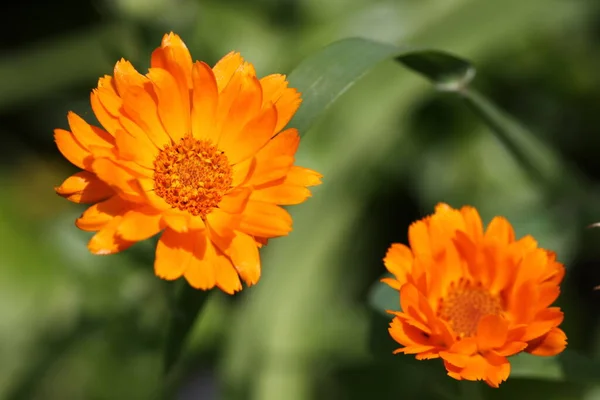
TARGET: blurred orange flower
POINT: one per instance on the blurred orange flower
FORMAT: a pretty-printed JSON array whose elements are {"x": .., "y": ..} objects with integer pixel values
[
  {"x": 196, "y": 152},
  {"x": 473, "y": 298}
]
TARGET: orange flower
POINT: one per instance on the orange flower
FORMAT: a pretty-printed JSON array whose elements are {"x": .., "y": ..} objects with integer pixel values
[
  {"x": 473, "y": 298},
  {"x": 195, "y": 152}
]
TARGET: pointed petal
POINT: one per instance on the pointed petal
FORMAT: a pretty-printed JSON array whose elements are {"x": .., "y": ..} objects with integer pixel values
[
  {"x": 243, "y": 253},
  {"x": 72, "y": 150},
  {"x": 281, "y": 194},
  {"x": 550, "y": 344},
  {"x": 174, "y": 56},
  {"x": 140, "y": 224},
  {"x": 87, "y": 134},
  {"x": 286, "y": 100},
  {"x": 173, "y": 253},
  {"x": 107, "y": 241},
  {"x": 246, "y": 106},
  {"x": 204, "y": 103},
  {"x": 200, "y": 272},
  {"x": 127, "y": 77},
  {"x": 100, "y": 214},
  {"x": 235, "y": 201},
  {"x": 501, "y": 230},
  {"x": 173, "y": 105},
  {"x": 226, "y": 67},
  {"x": 84, "y": 187},
  {"x": 118, "y": 177},
  {"x": 303, "y": 176},
  {"x": 134, "y": 144},
  {"x": 140, "y": 107},
  {"x": 265, "y": 220}
]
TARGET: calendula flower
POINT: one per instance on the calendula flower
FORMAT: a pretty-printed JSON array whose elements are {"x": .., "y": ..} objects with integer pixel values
[
  {"x": 474, "y": 298},
  {"x": 195, "y": 152}
]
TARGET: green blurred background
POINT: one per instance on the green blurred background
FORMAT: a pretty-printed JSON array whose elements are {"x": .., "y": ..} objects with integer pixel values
[{"x": 78, "y": 326}]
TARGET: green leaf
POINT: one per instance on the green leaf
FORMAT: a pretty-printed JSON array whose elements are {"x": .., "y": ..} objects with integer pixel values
[
  {"x": 327, "y": 74},
  {"x": 382, "y": 297},
  {"x": 187, "y": 306}
]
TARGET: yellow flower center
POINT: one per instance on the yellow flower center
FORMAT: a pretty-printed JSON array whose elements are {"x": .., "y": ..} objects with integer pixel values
[
  {"x": 192, "y": 175},
  {"x": 465, "y": 304}
]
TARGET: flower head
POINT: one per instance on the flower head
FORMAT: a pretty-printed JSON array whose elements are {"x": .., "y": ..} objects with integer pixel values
[
  {"x": 196, "y": 152},
  {"x": 473, "y": 298}
]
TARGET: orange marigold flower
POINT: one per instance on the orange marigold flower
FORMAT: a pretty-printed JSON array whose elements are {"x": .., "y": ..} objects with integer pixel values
[
  {"x": 196, "y": 152},
  {"x": 473, "y": 298}
]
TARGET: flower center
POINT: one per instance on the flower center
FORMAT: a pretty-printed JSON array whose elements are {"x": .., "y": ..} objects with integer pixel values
[
  {"x": 465, "y": 304},
  {"x": 192, "y": 175}
]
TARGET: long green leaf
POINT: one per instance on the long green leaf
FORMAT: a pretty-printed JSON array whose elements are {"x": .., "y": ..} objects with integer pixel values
[
  {"x": 187, "y": 306},
  {"x": 327, "y": 74}
]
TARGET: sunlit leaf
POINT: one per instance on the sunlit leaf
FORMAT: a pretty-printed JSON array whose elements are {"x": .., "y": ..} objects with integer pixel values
[{"x": 327, "y": 74}]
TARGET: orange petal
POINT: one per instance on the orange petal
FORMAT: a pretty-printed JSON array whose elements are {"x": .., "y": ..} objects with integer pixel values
[
  {"x": 275, "y": 159},
  {"x": 140, "y": 224},
  {"x": 100, "y": 214},
  {"x": 227, "y": 278},
  {"x": 226, "y": 67},
  {"x": 200, "y": 272},
  {"x": 235, "y": 201},
  {"x": 473, "y": 225},
  {"x": 127, "y": 77},
  {"x": 418, "y": 237},
  {"x": 177, "y": 221},
  {"x": 243, "y": 253},
  {"x": 173, "y": 253},
  {"x": 134, "y": 144},
  {"x": 303, "y": 176},
  {"x": 265, "y": 220},
  {"x": 286, "y": 100},
  {"x": 409, "y": 336},
  {"x": 139, "y": 107},
  {"x": 146, "y": 188},
  {"x": 173, "y": 105},
  {"x": 501, "y": 230},
  {"x": 550, "y": 344},
  {"x": 282, "y": 194},
  {"x": 245, "y": 106},
  {"x": 106, "y": 103},
  {"x": 222, "y": 225},
  {"x": 107, "y": 241},
  {"x": 87, "y": 134},
  {"x": 491, "y": 332},
  {"x": 392, "y": 282},
  {"x": 204, "y": 103},
  {"x": 174, "y": 56},
  {"x": 398, "y": 260},
  {"x": 263, "y": 171},
  {"x": 118, "y": 177},
  {"x": 414, "y": 305},
  {"x": 84, "y": 187},
  {"x": 72, "y": 150},
  {"x": 511, "y": 348}
]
